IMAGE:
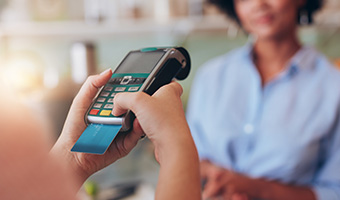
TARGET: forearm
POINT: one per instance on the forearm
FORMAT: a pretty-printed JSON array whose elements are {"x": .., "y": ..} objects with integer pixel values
[
  {"x": 179, "y": 172},
  {"x": 264, "y": 189}
]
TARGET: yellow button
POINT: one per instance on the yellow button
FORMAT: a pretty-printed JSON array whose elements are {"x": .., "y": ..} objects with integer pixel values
[{"x": 105, "y": 112}]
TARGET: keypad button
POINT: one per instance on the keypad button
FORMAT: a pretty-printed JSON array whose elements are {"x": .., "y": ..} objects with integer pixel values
[
  {"x": 132, "y": 89},
  {"x": 105, "y": 113},
  {"x": 108, "y": 88},
  {"x": 97, "y": 105},
  {"x": 94, "y": 112},
  {"x": 113, "y": 94},
  {"x": 126, "y": 80},
  {"x": 110, "y": 100},
  {"x": 101, "y": 100},
  {"x": 120, "y": 89},
  {"x": 113, "y": 81},
  {"x": 139, "y": 80},
  {"x": 105, "y": 94},
  {"x": 116, "y": 81},
  {"x": 108, "y": 106}
]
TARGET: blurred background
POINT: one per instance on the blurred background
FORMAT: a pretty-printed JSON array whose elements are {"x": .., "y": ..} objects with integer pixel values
[{"x": 49, "y": 47}]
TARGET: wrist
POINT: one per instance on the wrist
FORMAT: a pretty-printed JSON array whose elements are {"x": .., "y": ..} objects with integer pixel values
[
  {"x": 178, "y": 159},
  {"x": 263, "y": 189},
  {"x": 70, "y": 162},
  {"x": 169, "y": 137},
  {"x": 175, "y": 148}
]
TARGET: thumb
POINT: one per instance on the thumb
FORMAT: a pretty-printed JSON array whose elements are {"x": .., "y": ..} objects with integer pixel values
[
  {"x": 90, "y": 88},
  {"x": 174, "y": 87},
  {"x": 130, "y": 101}
]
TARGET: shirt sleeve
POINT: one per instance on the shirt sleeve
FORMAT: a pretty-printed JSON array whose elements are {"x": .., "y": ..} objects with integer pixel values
[
  {"x": 327, "y": 182},
  {"x": 194, "y": 116}
]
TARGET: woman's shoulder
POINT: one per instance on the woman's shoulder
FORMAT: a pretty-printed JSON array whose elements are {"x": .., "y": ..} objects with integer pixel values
[
  {"x": 322, "y": 71},
  {"x": 322, "y": 64}
]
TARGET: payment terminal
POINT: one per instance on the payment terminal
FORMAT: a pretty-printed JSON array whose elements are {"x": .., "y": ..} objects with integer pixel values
[{"x": 141, "y": 70}]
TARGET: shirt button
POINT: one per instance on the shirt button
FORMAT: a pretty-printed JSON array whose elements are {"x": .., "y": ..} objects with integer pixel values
[{"x": 248, "y": 128}]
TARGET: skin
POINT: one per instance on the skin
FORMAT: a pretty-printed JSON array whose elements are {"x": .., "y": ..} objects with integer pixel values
[
  {"x": 168, "y": 130},
  {"x": 28, "y": 172},
  {"x": 84, "y": 165},
  {"x": 31, "y": 172},
  {"x": 165, "y": 126},
  {"x": 273, "y": 24}
]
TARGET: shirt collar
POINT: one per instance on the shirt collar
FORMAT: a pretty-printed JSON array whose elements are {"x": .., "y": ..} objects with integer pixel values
[{"x": 303, "y": 58}]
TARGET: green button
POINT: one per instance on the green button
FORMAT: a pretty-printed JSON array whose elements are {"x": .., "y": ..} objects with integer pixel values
[{"x": 149, "y": 49}]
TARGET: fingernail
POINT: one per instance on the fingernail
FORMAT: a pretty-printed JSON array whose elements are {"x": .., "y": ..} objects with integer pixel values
[{"x": 104, "y": 72}]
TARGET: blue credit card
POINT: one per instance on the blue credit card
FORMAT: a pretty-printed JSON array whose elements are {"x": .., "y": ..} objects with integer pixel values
[{"x": 96, "y": 138}]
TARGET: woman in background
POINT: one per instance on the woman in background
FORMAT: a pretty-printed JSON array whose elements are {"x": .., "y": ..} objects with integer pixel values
[{"x": 265, "y": 117}]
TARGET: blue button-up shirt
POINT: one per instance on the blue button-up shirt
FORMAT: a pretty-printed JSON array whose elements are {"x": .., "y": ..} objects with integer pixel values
[{"x": 287, "y": 130}]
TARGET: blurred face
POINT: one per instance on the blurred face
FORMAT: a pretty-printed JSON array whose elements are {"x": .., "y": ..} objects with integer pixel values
[{"x": 268, "y": 19}]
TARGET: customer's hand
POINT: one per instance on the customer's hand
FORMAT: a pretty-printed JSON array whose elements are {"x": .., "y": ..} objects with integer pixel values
[
  {"x": 84, "y": 164},
  {"x": 161, "y": 116},
  {"x": 222, "y": 183}
]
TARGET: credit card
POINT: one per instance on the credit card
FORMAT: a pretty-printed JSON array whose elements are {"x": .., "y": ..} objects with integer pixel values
[{"x": 96, "y": 138}]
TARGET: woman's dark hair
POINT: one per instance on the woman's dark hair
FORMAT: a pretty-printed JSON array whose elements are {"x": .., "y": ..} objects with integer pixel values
[{"x": 311, "y": 6}]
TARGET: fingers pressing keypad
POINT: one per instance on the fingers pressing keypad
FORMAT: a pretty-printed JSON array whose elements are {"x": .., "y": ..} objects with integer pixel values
[{"x": 104, "y": 103}]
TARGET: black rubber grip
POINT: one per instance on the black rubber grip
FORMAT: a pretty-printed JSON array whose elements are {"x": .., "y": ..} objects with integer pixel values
[{"x": 165, "y": 75}]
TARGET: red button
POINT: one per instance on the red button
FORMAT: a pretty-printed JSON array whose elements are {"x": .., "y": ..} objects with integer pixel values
[{"x": 94, "y": 112}]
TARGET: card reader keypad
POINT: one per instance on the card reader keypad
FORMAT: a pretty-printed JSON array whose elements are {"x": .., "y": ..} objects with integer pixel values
[
  {"x": 126, "y": 81},
  {"x": 104, "y": 103}
]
